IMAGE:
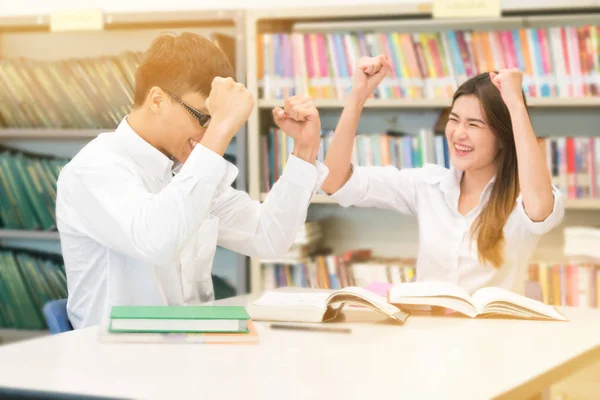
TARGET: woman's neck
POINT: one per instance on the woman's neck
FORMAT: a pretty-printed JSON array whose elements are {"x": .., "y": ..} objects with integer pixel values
[{"x": 474, "y": 181}]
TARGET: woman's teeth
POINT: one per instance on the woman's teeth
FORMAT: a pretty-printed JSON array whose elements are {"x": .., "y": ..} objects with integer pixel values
[{"x": 462, "y": 148}]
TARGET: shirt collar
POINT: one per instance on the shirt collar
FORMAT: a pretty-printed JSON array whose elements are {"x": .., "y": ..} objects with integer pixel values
[
  {"x": 450, "y": 182},
  {"x": 143, "y": 153}
]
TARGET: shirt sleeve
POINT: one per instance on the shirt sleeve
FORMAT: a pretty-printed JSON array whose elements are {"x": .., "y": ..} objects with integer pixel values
[
  {"x": 553, "y": 220},
  {"x": 268, "y": 230},
  {"x": 381, "y": 187},
  {"x": 107, "y": 201}
]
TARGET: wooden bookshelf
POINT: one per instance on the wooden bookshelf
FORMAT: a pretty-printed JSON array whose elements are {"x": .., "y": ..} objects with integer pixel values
[
  {"x": 31, "y": 37},
  {"x": 306, "y": 19},
  {"x": 134, "y": 20},
  {"x": 13, "y": 234},
  {"x": 582, "y": 204},
  {"x": 41, "y": 133},
  {"x": 570, "y": 204},
  {"x": 395, "y": 18}
]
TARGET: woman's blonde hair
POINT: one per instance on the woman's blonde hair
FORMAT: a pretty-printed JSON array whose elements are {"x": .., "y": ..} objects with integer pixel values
[{"x": 489, "y": 226}]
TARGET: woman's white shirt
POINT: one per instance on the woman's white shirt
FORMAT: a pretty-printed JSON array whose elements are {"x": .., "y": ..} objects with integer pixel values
[{"x": 447, "y": 252}]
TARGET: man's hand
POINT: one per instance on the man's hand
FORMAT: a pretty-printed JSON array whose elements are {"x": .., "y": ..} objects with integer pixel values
[
  {"x": 229, "y": 105},
  {"x": 300, "y": 120}
]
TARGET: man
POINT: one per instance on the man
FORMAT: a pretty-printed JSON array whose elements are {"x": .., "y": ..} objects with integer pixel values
[{"x": 134, "y": 234}]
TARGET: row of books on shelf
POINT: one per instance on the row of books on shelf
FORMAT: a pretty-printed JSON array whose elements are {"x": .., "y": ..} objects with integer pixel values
[
  {"x": 556, "y": 61},
  {"x": 28, "y": 182},
  {"x": 83, "y": 92},
  {"x": 73, "y": 93},
  {"x": 28, "y": 191},
  {"x": 27, "y": 282},
  {"x": 574, "y": 163},
  {"x": 574, "y": 284},
  {"x": 329, "y": 271},
  {"x": 398, "y": 149}
]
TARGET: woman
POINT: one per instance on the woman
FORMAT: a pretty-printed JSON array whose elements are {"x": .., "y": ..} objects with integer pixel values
[{"x": 480, "y": 221}]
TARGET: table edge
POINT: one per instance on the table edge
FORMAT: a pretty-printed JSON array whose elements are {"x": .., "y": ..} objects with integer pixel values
[{"x": 538, "y": 384}]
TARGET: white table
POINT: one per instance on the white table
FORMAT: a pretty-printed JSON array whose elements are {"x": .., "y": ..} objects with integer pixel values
[{"x": 428, "y": 357}]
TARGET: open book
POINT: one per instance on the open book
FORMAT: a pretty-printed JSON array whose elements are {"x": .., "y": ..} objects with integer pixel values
[
  {"x": 318, "y": 306},
  {"x": 484, "y": 302}
]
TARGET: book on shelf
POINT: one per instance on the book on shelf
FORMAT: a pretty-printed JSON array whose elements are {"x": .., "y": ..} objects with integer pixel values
[
  {"x": 569, "y": 283},
  {"x": 28, "y": 190},
  {"x": 559, "y": 61},
  {"x": 318, "y": 306},
  {"x": 27, "y": 282},
  {"x": 484, "y": 302}
]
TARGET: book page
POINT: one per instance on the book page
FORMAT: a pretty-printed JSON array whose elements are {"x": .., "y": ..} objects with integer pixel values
[
  {"x": 427, "y": 289},
  {"x": 451, "y": 303},
  {"x": 493, "y": 299},
  {"x": 438, "y": 294},
  {"x": 357, "y": 295}
]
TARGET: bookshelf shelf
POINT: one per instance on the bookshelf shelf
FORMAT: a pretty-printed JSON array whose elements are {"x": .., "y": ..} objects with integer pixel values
[
  {"x": 135, "y": 20},
  {"x": 371, "y": 103},
  {"x": 570, "y": 204},
  {"x": 43, "y": 133},
  {"x": 582, "y": 204},
  {"x": 549, "y": 102},
  {"x": 27, "y": 235},
  {"x": 317, "y": 199}
]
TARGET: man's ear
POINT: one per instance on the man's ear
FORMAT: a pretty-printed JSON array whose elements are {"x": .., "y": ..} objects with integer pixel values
[{"x": 156, "y": 99}]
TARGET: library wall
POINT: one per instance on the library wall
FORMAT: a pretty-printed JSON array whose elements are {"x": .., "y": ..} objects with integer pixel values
[{"x": 28, "y": 7}]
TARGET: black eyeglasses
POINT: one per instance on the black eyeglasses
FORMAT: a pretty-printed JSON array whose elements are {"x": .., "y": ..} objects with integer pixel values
[{"x": 203, "y": 119}]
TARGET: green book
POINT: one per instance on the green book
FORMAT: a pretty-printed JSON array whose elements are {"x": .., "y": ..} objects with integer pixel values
[{"x": 179, "y": 319}]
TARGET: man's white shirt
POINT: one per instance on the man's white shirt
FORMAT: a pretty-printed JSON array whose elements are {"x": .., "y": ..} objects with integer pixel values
[{"x": 133, "y": 234}]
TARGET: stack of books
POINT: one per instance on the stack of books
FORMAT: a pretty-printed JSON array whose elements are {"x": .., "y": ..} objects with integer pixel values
[{"x": 207, "y": 324}]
